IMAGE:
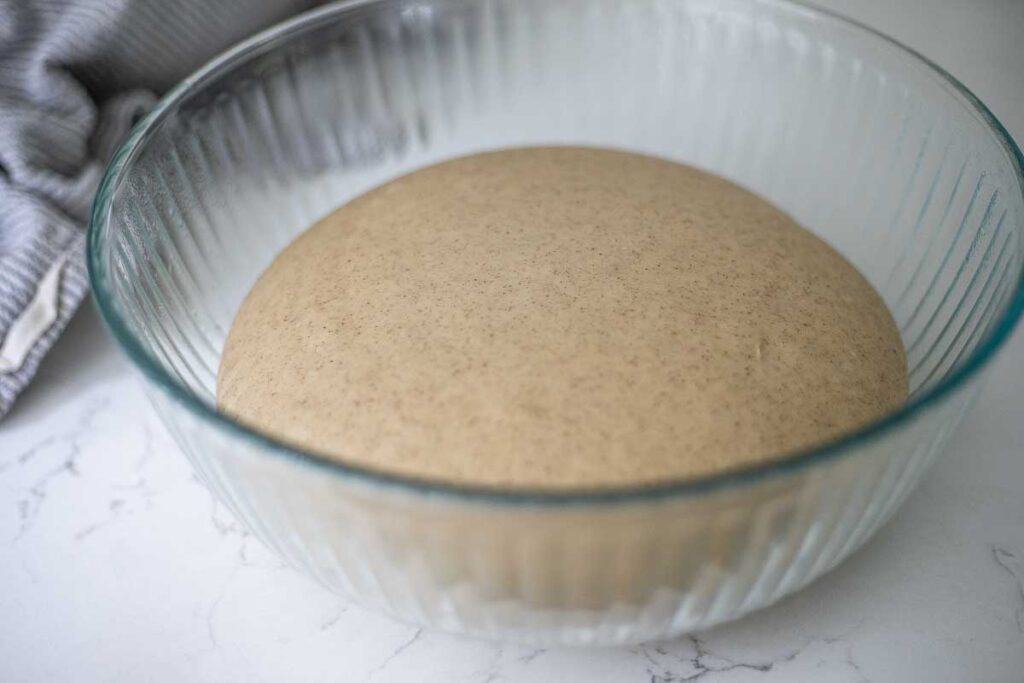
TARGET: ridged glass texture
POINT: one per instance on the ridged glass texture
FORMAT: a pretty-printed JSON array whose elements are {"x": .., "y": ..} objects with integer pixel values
[{"x": 869, "y": 146}]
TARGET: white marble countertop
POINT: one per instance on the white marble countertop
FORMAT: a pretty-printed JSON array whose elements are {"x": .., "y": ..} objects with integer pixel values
[{"x": 116, "y": 564}]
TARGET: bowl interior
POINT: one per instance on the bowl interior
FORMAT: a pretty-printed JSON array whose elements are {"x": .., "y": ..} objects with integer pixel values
[{"x": 866, "y": 145}]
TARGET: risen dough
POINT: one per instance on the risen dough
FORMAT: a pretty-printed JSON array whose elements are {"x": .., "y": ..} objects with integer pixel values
[{"x": 560, "y": 317}]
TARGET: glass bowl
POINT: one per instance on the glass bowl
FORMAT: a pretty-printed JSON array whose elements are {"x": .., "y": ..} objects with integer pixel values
[{"x": 876, "y": 150}]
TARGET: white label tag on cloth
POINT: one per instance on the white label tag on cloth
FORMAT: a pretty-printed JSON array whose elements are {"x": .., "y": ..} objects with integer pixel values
[{"x": 35, "y": 320}]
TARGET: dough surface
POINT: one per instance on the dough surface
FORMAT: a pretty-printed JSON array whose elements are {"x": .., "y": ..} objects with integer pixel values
[{"x": 559, "y": 317}]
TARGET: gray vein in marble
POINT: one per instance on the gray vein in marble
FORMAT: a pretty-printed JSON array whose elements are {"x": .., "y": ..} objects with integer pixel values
[
  {"x": 224, "y": 523},
  {"x": 492, "y": 672},
  {"x": 115, "y": 507},
  {"x": 139, "y": 488},
  {"x": 227, "y": 526},
  {"x": 852, "y": 663},
  {"x": 81, "y": 424},
  {"x": 211, "y": 613},
  {"x": 396, "y": 652},
  {"x": 705, "y": 662},
  {"x": 148, "y": 450},
  {"x": 532, "y": 655},
  {"x": 334, "y": 620},
  {"x": 33, "y": 577},
  {"x": 27, "y": 455},
  {"x": 28, "y": 506},
  {"x": 1013, "y": 566},
  {"x": 664, "y": 666}
]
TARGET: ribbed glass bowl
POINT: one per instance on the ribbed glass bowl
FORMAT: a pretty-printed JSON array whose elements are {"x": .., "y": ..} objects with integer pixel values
[{"x": 873, "y": 148}]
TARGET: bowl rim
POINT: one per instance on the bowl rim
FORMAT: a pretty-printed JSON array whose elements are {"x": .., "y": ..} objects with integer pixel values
[{"x": 744, "y": 475}]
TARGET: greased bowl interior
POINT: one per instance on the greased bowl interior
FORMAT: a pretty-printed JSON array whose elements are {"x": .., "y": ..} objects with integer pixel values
[{"x": 867, "y": 144}]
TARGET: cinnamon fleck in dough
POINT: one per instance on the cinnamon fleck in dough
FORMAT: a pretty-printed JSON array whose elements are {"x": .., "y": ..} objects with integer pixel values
[{"x": 560, "y": 317}]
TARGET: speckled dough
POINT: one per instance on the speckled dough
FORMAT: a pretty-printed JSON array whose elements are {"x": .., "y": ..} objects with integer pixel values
[{"x": 560, "y": 317}]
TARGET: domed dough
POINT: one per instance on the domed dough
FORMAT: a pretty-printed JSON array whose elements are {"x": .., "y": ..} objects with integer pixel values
[{"x": 560, "y": 317}]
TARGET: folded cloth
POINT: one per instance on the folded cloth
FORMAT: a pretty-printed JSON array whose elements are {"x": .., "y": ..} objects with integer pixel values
[{"x": 74, "y": 76}]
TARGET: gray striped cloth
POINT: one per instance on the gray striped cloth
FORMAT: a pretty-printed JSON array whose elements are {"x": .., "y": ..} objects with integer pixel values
[{"x": 74, "y": 76}]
